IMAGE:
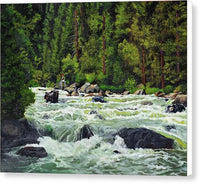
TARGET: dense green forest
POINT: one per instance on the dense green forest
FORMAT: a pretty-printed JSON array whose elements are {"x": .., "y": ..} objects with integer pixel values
[{"x": 116, "y": 45}]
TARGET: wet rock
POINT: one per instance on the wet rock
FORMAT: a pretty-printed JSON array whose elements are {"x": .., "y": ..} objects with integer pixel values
[
  {"x": 147, "y": 103},
  {"x": 175, "y": 108},
  {"x": 99, "y": 117},
  {"x": 93, "y": 112},
  {"x": 38, "y": 152},
  {"x": 116, "y": 151},
  {"x": 144, "y": 138},
  {"x": 180, "y": 99},
  {"x": 169, "y": 127},
  {"x": 51, "y": 96},
  {"x": 46, "y": 116},
  {"x": 85, "y": 132},
  {"x": 126, "y": 92},
  {"x": 159, "y": 94},
  {"x": 17, "y": 133},
  {"x": 98, "y": 99},
  {"x": 140, "y": 92}
]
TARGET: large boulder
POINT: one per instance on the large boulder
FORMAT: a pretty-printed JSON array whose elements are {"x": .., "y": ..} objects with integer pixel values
[
  {"x": 98, "y": 99},
  {"x": 180, "y": 99},
  {"x": 30, "y": 151},
  {"x": 175, "y": 108},
  {"x": 171, "y": 95},
  {"x": 17, "y": 133},
  {"x": 84, "y": 87},
  {"x": 73, "y": 87},
  {"x": 144, "y": 138},
  {"x": 140, "y": 92},
  {"x": 51, "y": 96},
  {"x": 85, "y": 132},
  {"x": 159, "y": 94},
  {"x": 93, "y": 88}
]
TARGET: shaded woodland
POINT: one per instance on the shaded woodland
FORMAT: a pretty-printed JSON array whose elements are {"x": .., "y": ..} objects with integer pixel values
[{"x": 116, "y": 45}]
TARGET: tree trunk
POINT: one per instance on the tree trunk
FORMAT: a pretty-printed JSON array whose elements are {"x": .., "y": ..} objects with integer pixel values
[
  {"x": 76, "y": 38},
  {"x": 162, "y": 65},
  {"x": 143, "y": 67},
  {"x": 104, "y": 48}
]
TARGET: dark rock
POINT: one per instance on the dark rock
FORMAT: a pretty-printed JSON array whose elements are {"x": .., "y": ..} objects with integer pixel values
[
  {"x": 147, "y": 103},
  {"x": 140, "y": 92},
  {"x": 116, "y": 151},
  {"x": 93, "y": 112},
  {"x": 169, "y": 127},
  {"x": 180, "y": 99},
  {"x": 17, "y": 133},
  {"x": 51, "y": 96},
  {"x": 46, "y": 116},
  {"x": 98, "y": 99},
  {"x": 144, "y": 138},
  {"x": 85, "y": 132},
  {"x": 160, "y": 94},
  {"x": 93, "y": 88},
  {"x": 38, "y": 152},
  {"x": 99, "y": 117},
  {"x": 69, "y": 89},
  {"x": 175, "y": 108}
]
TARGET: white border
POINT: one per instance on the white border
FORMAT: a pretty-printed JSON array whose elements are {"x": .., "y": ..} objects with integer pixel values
[
  {"x": 53, "y": 178},
  {"x": 189, "y": 88}
]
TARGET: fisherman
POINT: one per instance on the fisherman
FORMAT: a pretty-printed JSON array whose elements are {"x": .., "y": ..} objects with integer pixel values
[{"x": 62, "y": 82}]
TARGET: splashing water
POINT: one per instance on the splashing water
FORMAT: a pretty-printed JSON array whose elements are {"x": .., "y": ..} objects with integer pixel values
[{"x": 96, "y": 155}]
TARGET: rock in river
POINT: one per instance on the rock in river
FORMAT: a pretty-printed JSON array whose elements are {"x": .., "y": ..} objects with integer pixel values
[
  {"x": 98, "y": 99},
  {"x": 17, "y": 133},
  {"x": 144, "y": 138},
  {"x": 85, "y": 132},
  {"x": 38, "y": 152},
  {"x": 175, "y": 108}
]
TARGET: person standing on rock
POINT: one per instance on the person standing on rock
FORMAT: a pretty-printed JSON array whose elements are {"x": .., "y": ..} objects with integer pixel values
[{"x": 62, "y": 82}]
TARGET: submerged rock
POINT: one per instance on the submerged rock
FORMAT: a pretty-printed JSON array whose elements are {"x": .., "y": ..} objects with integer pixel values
[
  {"x": 17, "y": 133},
  {"x": 175, "y": 108},
  {"x": 98, "y": 99},
  {"x": 169, "y": 127},
  {"x": 144, "y": 138},
  {"x": 38, "y": 152},
  {"x": 147, "y": 103},
  {"x": 85, "y": 132},
  {"x": 51, "y": 96},
  {"x": 93, "y": 112}
]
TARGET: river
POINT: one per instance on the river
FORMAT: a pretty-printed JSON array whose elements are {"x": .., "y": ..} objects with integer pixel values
[{"x": 95, "y": 155}]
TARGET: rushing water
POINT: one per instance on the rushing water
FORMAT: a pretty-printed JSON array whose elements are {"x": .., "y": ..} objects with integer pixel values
[{"x": 95, "y": 155}]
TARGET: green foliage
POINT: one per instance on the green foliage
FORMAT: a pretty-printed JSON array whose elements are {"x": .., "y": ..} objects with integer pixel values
[
  {"x": 169, "y": 89},
  {"x": 181, "y": 88},
  {"x": 114, "y": 89},
  {"x": 152, "y": 90},
  {"x": 112, "y": 44},
  {"x": 130, "y": 85}
]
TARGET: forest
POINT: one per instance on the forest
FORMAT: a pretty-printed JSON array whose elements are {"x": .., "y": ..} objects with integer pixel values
[{"x": 116, "y": 45}]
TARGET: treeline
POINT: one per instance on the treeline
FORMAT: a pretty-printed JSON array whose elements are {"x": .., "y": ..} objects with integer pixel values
[{"x": 116, "y": 45}]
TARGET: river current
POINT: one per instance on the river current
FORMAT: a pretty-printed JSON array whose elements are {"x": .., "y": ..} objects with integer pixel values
[{"x": 96, "y": 155}]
